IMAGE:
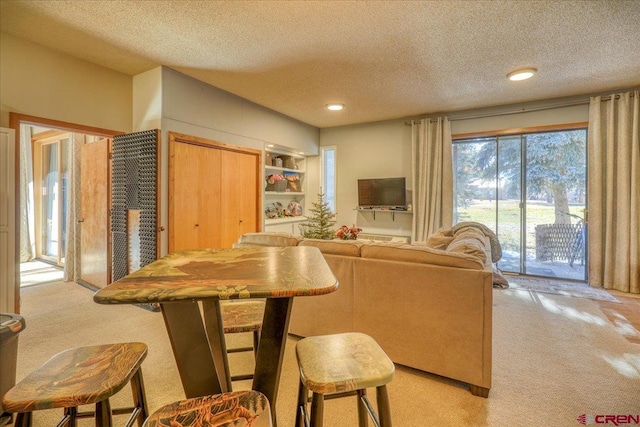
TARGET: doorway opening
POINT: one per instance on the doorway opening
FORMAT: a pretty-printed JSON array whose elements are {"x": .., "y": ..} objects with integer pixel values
[
  {"x": 50, "y": 198},
  {"x": 530, "y": 188}
]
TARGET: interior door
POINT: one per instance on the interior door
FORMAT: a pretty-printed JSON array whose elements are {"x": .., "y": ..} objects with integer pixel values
[
  {"x": 194, "y": 218},
  {"x": 94, "y": 218},
  {"x": 239, "y": 196},
  {"x": 8, "y": 256},
  {"x": 214, "y": 193}
]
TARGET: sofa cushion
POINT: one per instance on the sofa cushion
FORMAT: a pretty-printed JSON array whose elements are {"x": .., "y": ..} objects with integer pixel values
[
  {"x": 440, "y": 239},
  {"x": 419, "y": 254},
  {"x": 470, "y": 233},
  {"x": 267, "y": 239},
  {"x": 469, "y": 241},
  {"x": 335, "y": 247}
]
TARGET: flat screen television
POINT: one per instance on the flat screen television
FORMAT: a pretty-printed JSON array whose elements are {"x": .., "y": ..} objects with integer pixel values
[{"x": 389, "y": 193}]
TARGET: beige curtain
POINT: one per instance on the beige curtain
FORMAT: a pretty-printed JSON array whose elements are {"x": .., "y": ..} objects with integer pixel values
[
  {"x": 614, "y": 192},
  {"x": 72, "y": 254},
  {"x": 432, "y": 173},
  {"x": 27, "y": 215}
]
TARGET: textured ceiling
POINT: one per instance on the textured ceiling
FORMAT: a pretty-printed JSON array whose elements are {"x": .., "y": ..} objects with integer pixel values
[{"x": 382, "y": 59}]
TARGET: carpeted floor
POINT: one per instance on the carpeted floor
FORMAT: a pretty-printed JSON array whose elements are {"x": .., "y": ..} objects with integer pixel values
[
  {"x": 554, "y": 286},
  {"x": 37, "y": 272},
  {"x": 555, "y": 358}
]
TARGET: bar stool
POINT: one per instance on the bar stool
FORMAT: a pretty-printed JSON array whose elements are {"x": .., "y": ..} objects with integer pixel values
[
  {"x": 340, "y": 365},
  {"x": 243, "y": 316},
  {"x": 250, "y": 408},
  {"x": 82, "y": 376}
]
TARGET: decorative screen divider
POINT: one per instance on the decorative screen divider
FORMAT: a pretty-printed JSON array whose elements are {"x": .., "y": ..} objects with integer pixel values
[{"x": 134, "y": 186}]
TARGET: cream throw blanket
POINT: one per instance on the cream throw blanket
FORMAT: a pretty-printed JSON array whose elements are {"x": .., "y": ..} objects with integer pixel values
[{"x": 496, "y": 249}]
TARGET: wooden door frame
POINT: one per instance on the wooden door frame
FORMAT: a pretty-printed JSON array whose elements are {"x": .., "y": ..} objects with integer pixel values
[
  {"x": 175, "y": 138},
  {"x": 15, "y": 122}
]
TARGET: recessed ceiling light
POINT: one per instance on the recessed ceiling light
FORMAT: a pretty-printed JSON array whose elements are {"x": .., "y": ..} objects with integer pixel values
[
  {"x": 269, "y": 145},
  {"x": 335, "y": 107},
  {"x": 522, "y": 74}
]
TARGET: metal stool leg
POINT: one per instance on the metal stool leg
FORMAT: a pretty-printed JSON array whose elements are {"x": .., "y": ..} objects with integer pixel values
[
  {"x": 103, "y": 414},
  {"x": 384, "y": 409},
  {"x": 363, "y": 416},
  {"x": 70, "y": 417},
  {"x": 301, "y": 411},
  {"x": 23, "y": 419},
  {"x": 317, "y": 410},
  {"x": 256, "y": 341},
  {"x": 139, "y": 398}
]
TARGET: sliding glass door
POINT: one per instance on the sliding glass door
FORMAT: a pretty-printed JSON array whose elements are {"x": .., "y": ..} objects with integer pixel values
[
  {"x": 531, "y": 190},
  {"x": 51, "y": 171}
]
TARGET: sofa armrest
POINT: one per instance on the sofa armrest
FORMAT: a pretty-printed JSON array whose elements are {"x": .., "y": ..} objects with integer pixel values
[{"x": 266, "y": 238}]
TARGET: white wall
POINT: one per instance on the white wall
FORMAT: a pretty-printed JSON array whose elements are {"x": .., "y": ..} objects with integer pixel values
[
  {"x": 44, "y": 83},
  {"x": 225, "y": 117},
  {"x": 372, "y": 150},
  {"x": 383, "y": 149},
  {"x": 147, "y": 100},
  {"x": 192, "y": 107}
]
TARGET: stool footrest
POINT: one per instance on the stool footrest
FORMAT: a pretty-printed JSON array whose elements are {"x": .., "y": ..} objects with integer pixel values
[
  {"x": 239, "y": 349},
  {"x": 241, "y": 377},
  {"x": 370, "y": 410},
  {"x": 64, "y": 421},
  {"x": 117, "y": 411},
  {"x": 339, "y": 395},
  {"x": 132, "y": 418}
]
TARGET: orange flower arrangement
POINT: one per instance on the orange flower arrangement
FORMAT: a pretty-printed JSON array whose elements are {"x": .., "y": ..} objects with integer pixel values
[{"x": 348, "y": 233}]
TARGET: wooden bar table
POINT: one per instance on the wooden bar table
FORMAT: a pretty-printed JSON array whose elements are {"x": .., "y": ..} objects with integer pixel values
[{"x": 183, "y": 282}]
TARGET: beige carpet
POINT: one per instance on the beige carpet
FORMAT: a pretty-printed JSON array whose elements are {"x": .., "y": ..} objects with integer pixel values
[
  {"x": 37, "y": 272},
  {"x": 555, "y": 358}
]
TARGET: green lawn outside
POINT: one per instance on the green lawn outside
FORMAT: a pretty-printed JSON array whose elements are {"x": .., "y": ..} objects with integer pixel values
[{"x": 538, "y": 212}]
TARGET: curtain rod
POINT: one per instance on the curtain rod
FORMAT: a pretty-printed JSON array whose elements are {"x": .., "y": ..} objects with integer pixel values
[{"x": 522, "y": 110}]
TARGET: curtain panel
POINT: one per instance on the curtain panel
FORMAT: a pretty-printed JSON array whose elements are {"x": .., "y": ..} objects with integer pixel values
[
  {"x": 614, "y": 192},
  {"x": 432, "y": 177},
  {"x": 27, "y": 215},
  {"x": 72, "y": 250}
]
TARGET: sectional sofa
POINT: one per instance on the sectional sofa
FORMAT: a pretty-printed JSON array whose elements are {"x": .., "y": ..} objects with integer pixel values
[{"x": 428, "y": 306}]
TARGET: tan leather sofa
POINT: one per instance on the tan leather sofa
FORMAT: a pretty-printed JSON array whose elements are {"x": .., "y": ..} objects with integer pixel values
[{"x": 429, "y": 309}]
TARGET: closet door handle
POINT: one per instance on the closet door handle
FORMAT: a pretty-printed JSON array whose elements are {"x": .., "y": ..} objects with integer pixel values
[{"x": 80, "y": 220}]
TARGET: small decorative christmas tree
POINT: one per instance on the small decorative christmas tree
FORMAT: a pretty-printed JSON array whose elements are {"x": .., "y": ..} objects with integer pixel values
[{"x": 319, "y": 225}]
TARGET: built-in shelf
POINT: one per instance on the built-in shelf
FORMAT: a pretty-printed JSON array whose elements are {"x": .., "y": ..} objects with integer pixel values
[
  {"x": 393, "y": 212},
  {"x": 284, "y": 193},
  {"x": 281, "y": 169},
  {"x": 292, "y": 164},
  {"x": 285, "y": 220}
]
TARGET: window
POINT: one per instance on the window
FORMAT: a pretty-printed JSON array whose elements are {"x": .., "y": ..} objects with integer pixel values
[{"x": 328, "y": 169}]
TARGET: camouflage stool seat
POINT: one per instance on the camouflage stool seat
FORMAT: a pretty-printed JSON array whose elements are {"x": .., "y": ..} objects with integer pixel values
[
  {"x": 340, "y": 365},
  {"x": 243, "y": 316},
  {"x": 82, "y": 376},
  {"x": 242, "y": 408}
]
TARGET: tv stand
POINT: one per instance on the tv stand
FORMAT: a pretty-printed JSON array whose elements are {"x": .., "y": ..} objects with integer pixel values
[{"x": 393, "y": 211}]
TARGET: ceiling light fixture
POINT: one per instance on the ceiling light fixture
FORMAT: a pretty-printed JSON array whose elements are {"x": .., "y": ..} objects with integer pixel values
[
  {"x": 335, "y": 107},
  {"x": 522, "y": 74}
]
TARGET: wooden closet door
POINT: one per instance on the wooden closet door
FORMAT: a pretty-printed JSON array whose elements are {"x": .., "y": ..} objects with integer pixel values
[
  {"x": 239, "y": 195},
  {"x": 194, "y": 215},
  {"x": 94, "y": 204}
]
